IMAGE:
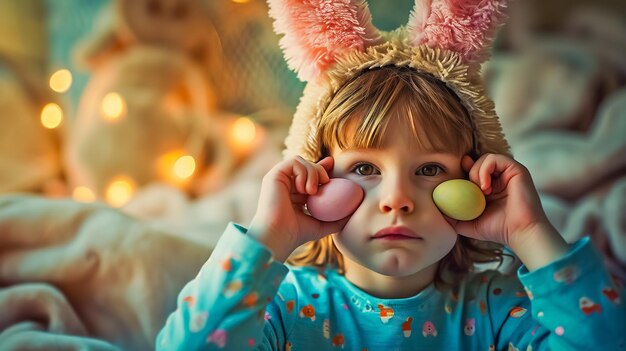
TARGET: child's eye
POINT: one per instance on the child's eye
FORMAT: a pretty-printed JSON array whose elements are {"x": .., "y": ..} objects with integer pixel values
[
  {"x": 430, "y": 170},
  {"x": 365, "y": 169}
]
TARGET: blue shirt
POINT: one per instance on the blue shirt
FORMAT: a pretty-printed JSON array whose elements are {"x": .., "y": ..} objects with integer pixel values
[{"x": 243, "y": 300}]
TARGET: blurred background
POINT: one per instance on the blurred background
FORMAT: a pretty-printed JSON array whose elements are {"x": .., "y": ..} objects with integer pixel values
[{"x": 173, "y": 110}]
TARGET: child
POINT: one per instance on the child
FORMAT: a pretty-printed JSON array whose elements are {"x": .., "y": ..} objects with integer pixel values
[{"x": 398, "y": 114}]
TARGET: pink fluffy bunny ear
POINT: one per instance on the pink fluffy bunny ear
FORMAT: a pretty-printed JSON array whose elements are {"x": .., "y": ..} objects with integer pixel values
[
  {"x": 463, "y": 26},
  {"x": 317, "y": 31}
]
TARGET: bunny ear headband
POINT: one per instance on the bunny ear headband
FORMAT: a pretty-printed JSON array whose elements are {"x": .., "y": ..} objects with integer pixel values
[{"x": 327, "y": 42}]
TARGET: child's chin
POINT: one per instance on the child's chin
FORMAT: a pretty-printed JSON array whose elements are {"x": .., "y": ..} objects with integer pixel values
[{"x": 398, "y": 266}]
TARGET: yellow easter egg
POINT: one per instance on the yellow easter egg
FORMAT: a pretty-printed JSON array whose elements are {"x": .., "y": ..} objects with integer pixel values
[{"x": 459, "y": 199}]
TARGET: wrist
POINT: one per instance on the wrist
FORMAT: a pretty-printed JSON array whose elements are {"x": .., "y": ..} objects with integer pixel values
[
  {"x": 539, "y": 245},
  {"x": 280, "y": 245}
]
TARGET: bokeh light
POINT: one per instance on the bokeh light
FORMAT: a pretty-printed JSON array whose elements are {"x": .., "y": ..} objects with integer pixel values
[
  {"x": 242, "y": 133},
  {"x": 176, "y": 167},
  {"x": 51, "y": 115},
  {"x": 184, "y": 167},
  {"x": 113, "y": 106},
  {"x": 119, "y": 191},
  {"x": 61, "y": 80}
]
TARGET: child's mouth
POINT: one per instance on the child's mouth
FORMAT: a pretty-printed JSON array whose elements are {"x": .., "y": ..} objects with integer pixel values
[
  {"x": 395, "y": 237},
  {"x": 396, "y": 233}
]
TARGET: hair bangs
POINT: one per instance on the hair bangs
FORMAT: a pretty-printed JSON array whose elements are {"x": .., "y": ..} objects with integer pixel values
[{"x": 358, "y": 115}]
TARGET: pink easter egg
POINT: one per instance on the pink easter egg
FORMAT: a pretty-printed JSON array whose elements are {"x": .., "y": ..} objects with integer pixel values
[{"x": 335, "y": 200}]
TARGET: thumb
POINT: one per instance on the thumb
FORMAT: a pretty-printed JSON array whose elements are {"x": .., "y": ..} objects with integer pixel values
[{"x": 334, "y": 227}]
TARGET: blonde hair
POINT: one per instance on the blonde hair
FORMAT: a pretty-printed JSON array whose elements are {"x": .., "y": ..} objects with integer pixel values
[{"x": 434, "y": 114}]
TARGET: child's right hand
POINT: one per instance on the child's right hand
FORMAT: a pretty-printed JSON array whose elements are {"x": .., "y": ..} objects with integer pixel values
[{"x": 280, "y": 222}]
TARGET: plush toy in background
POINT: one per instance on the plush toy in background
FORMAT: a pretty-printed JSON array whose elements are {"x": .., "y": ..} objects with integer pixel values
[
  {"x": 29, "y": 153},
  {"x": 145, "y": 115},
  {"x": 142, "y": 118}
]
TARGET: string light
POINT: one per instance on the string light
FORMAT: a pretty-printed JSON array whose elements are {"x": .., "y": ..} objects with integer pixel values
[
  {"x": 83, "y": 194},
  {"x": 176, "y": 166},
  {"x": 51, "y": 115},
  {"x": 184, "y": 167},
  {"x": 242, "y": 133},
  {"x": 113, "y": 106},
  {"x": 120, "y": 191},
  {"x": 61, "y": 80}
]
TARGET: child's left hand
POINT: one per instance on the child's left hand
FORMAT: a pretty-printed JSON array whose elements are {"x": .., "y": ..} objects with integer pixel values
[{"x": 513, "y": 214}]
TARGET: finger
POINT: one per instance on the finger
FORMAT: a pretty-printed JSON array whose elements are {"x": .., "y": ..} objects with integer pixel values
[
  {"x": 313, "y": 181},
  {"x": 484, "y": 174},
  {"x": 312, "y": 176},
  {"x": 322, "y": 173},
  {"x": 334, "y": 227},
  {"x": 299, "y": 177},
  {"x": 289, "y": 172},
  {"x": 327, "y": 163},
  {"x": 474, "y": 171},
  {"x": 491, "y": 169},
  {"x": 467, "y": 163},
  {"x": 480, "y": 173},
  {"x": 325, "y": 168}
]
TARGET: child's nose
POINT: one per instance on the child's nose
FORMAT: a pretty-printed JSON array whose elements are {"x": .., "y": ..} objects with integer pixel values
[{"x": 395, "y": 198}]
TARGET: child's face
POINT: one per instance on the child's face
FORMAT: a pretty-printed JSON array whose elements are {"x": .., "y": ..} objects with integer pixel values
[{"x": 398, "y": 180}]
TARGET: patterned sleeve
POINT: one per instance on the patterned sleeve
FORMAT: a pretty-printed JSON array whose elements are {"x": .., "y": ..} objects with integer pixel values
[
  {"x": 575, "y": 305},
  {"x": 224, "y": 307}
]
